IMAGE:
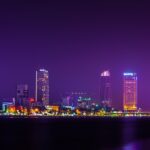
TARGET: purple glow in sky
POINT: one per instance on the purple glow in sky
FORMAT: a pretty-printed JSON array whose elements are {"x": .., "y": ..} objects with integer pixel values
[{"x": 75, "y": 41}]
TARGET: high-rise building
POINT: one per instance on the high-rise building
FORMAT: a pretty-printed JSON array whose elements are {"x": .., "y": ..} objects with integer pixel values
[
  {"x": 105, "y": 88},
  {"x": 42, "y": 87},
  {"x": 130, "y": 92},
  {"x": 22, "y": 95}
]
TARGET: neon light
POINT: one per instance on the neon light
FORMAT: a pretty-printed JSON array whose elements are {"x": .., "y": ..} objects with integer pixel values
[
  {"x": 105, "y": 73},
  {"x": 43, "y": 70},
  {"x": 128, "y": 74}
]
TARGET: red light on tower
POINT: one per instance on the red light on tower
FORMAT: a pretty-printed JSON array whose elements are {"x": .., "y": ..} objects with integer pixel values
[{"x": 32, "y": 100}]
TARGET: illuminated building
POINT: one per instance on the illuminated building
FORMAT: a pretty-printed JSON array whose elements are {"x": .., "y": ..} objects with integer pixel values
[
  {"x": 130, "y": 92},
  {"x": 84, "y": 102},
  {"x": 53, "y": 108},
  {"x": 6, "y": 105},
  {"x": 76, "y": 96},
  {"x": 67, "y": 100},
  {"x": 71, "y": 98},
  {"x": 105, "y": 88},
  {"x": 22, "y": 95},
  {"x": 42, "y": 87}
]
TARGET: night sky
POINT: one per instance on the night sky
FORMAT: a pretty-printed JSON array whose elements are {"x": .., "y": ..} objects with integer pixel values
[{"x": 75, "y": 41}]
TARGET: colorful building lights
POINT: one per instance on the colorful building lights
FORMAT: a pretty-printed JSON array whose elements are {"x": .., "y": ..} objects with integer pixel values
[
  {"x": 130, "y": 92},
  {"x": 42, "y": 87}
]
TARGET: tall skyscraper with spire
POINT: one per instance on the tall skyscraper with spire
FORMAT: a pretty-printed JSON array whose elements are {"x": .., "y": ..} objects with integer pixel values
[
  {"x": 105, "y": 88},
  {"x": 130, "y": 92},
  {"x": 42, "y": 87}
]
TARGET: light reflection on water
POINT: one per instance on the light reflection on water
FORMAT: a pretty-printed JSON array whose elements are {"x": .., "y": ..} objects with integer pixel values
[
  {"x": 131, "y": 136},
  {"x": 131, "y": 146},
  {"x": 136, "y": 145},
  {"x": 129, "y": 130}
]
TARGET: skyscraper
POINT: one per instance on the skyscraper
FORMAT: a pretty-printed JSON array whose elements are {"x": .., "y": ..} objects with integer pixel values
[
  {"x": 130, "y": 92},
  {"x": 105, "y": 88},
  {"x": 42, "y": 87},
  {"x": 22, "y": 95}
]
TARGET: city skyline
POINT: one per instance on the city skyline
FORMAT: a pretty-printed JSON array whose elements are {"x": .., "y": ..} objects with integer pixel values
[
  {"x": 77, "y": 103},
  {"x": 74, "y": 74},
  {"x": 42, "y": 96}
]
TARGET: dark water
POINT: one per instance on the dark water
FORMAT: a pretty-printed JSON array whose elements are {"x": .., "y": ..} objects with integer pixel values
[{"x": 75, "y": 133}]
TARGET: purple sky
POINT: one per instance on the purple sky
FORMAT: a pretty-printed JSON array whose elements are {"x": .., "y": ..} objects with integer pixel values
[{"x": 75, "y": 41}]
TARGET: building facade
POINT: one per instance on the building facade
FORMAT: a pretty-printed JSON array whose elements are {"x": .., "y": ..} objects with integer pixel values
[
  {"x": 130, "y": 92},
  {"x": 42, "y": 87},
  {"x": 105, "y": 88},
  {"x": 22, "y": 95}
]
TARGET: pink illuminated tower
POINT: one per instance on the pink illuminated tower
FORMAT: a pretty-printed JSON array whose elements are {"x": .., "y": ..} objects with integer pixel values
[{"x": 130, "y": 92}]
